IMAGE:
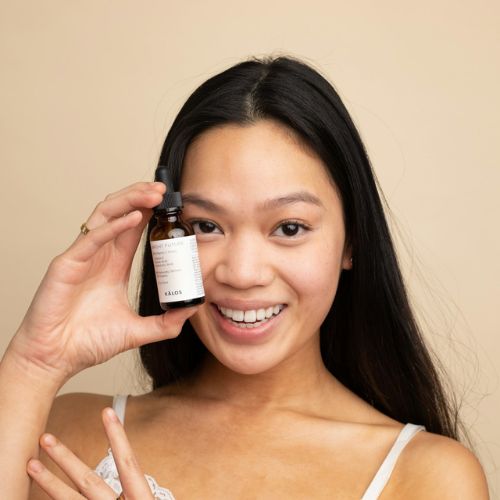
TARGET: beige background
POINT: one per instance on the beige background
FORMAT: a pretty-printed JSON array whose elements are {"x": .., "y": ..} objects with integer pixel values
[{"x": 89, "y": 88}]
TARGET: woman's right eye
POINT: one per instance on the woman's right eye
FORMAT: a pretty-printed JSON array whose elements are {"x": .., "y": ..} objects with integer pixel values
[{"x": 204, "y": 227}]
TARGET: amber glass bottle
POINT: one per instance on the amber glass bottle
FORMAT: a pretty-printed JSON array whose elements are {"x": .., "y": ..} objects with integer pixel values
[{"x": 175, "y": 253}]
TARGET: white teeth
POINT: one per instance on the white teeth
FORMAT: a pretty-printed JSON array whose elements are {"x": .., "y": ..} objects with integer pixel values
[
  {"x": 249, "y": 318},
  {"x": 238, "y": 315}
]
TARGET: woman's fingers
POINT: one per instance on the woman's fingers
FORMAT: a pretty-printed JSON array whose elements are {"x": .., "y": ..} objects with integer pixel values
[
  {"x": 127, "y": 242},
  {"x": 144, "y": 186},
  {"x": 146, "y": 330},
  {"x": 51, "y": 484},
  {"x": 134, "y": 484},
  {"x": 85, "y": 479},
  {"x": 122, "y": 217},
  {"x": 131, "y": 199},
  {"x": 88, "y": 245},
  {"x": 89, "y": 484}
]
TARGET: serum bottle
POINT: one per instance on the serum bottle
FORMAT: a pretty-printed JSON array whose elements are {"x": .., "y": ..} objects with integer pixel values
[{"x": 174, "y": 251}]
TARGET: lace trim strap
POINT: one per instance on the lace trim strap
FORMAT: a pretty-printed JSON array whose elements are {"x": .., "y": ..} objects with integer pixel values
[
  {"x": 119, "y": 404},
  {"x": 106, "y": 469}
]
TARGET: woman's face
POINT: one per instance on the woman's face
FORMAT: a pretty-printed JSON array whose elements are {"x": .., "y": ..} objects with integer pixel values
[{"x": 271, "y": 243}]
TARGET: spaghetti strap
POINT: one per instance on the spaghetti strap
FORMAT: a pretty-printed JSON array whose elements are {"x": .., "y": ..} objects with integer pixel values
[
  {"x": 119, "y": 403},
  {"x": 384, "y": 473}
]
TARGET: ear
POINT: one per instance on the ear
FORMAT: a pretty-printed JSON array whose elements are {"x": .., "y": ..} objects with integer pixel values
[{"x": 347, "y": 259}]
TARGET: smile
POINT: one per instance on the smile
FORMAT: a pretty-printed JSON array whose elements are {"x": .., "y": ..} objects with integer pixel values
[{"x": 251, "y": 318}]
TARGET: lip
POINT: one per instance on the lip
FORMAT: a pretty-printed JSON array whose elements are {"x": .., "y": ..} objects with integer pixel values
[
  {"x": 245, "y": 305},
  {"x": 236, "y": 334}
]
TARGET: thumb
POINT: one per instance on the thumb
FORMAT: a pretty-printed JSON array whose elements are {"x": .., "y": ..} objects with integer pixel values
[{"x": 160, "y": 327}]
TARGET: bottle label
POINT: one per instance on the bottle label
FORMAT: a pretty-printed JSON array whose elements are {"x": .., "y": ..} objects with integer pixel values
[{"x": 177, "y": 268}]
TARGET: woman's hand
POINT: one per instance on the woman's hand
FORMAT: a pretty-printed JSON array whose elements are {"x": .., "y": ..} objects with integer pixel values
[
  {"x": 80, "y": 315},
  {"x": 89, "y": 484}
]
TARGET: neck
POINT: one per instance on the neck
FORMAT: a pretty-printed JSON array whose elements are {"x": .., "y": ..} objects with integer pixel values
[{"x": 300, "y": 382}]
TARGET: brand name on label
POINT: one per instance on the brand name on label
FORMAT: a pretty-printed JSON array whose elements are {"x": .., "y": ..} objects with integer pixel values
[{"x": 173, "y": 292}]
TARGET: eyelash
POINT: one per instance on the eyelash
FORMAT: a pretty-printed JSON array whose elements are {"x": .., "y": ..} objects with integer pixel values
[
  {"x": 301, "y": 225},
  {"x": 199, "y": 221}
]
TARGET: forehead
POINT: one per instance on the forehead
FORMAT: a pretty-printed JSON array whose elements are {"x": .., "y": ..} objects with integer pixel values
[{"x": 253, "y": 162}]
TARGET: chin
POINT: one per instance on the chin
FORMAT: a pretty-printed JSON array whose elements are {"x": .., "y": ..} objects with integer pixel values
[
  {"x": 247, "y": 363},
  {"x": 242, "y": 369},
  {"x": 246, "y": 352}
]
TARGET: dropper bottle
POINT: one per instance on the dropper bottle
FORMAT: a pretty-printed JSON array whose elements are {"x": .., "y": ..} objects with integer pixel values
[{"x": 175, "y": 252}]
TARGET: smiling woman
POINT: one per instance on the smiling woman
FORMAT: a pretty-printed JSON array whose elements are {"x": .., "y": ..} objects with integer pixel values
[
  {"x": 303, "y": 375},
  {"x": 249, "y": 262}
]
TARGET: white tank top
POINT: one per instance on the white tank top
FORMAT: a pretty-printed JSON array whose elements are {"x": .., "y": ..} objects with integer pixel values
[{"x": 107, "y": 468}]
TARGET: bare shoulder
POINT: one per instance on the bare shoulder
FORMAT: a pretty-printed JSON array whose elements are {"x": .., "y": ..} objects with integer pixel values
[
  {"x": 437, "y": 467},
  {"x": 75, "y": 419}
]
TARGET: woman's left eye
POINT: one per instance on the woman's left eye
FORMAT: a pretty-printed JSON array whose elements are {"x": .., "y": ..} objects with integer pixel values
[
  {"x": 291, "y": 228},
  {"x": 203, "y": 227}
]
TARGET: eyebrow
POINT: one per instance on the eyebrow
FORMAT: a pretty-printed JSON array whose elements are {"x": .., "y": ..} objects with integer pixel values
[{"x": 270, "y": 204}]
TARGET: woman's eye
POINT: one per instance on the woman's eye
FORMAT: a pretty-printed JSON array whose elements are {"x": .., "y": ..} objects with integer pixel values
[
  {"x": 291, "y": 229},
  {"x": 203, "y": 227}
]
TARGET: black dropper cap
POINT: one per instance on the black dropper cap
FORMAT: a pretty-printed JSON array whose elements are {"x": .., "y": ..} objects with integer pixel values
[{"x": 172, "y": 199}]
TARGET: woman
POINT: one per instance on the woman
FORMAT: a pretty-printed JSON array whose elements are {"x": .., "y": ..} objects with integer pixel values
[{"x": 332, "y": 394}]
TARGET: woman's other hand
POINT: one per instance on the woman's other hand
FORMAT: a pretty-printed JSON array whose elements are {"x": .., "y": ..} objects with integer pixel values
[
  {"x": 80, "y": 315},
  {"x": 89, "y": 484}
]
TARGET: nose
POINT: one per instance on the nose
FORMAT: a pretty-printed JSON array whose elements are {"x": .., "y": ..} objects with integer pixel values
[{"x": 245, "y": 263}]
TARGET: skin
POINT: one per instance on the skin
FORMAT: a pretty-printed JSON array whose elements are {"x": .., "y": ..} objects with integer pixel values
[
  {"x": 132, "y": 478},
  {"x": 248, "y": 259},
  {"x": 296, "y": 430}
]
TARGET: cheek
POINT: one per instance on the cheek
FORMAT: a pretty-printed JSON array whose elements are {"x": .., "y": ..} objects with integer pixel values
[
  {"x": 314, "y": 275},
  {"x": 313, "y": 269},
  {"x": 209, "y": 255}
]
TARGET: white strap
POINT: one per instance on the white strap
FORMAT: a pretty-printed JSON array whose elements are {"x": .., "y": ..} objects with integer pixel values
[
  {"x": 384, "y": 473},
  {"x": 119, "y": 403}
]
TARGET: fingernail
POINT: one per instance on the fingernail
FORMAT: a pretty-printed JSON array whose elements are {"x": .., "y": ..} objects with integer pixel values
[
  {"x": 49, "y": 440},
  {"x": 35, "y": 466},
  {"x": 111, "y": 415}
]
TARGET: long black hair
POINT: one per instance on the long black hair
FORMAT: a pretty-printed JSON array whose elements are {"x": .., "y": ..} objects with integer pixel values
[{"x": 369, "y": 340}]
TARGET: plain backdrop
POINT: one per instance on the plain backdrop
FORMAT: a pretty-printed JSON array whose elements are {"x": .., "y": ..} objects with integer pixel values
[{"x": 88, "y": 90}]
